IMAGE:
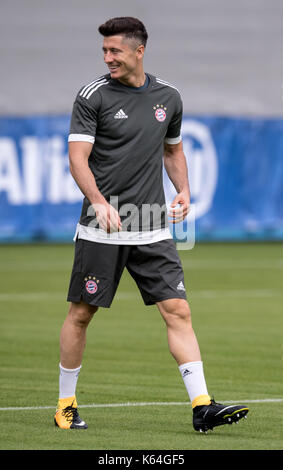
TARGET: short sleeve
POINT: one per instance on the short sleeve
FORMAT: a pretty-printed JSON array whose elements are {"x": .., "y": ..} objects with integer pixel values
[
  {"x": 173, "y": 135},
  {"x": 83, "y": 122}
]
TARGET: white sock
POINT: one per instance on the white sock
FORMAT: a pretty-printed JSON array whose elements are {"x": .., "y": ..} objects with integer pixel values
[
  {"x": 194, "y": 380},
  {"x": 68, "y": 381}
]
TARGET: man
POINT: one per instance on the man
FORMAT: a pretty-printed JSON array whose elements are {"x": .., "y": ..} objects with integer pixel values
[{"x": 123, "y": 123}]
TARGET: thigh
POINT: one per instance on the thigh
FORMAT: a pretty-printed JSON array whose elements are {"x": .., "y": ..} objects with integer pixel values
[
  {"x": 96, "y": 273},
  {"x": 158, "y": 271}
]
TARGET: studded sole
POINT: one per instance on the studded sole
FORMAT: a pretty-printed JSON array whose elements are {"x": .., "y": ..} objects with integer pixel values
[{"x": 227, "y": 419}]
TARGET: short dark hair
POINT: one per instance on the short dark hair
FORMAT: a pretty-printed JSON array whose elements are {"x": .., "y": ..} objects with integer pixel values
[{"x": 130, "y": 27}]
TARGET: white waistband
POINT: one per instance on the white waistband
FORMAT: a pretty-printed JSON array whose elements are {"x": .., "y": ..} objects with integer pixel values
[{"x": 121, "y": 238}]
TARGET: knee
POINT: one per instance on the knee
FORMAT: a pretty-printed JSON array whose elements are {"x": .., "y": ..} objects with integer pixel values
[
  {"x": 175, "y": 309},
  {"x": 81, "y": 313}
]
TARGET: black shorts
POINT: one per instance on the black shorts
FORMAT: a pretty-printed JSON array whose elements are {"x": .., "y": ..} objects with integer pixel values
[{"x": 98, "y": 267}]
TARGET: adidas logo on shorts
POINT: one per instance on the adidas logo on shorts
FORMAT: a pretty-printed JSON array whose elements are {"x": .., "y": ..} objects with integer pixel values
[{"x": 181, "y": 286}]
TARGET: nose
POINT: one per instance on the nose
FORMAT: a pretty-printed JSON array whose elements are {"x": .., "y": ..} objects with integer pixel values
[{"x": 108, "y": 58}]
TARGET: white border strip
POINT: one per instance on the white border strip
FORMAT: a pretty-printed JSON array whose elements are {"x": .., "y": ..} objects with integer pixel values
[
  {"x": 133, "y": 404},
  {"x": 173, "y": 140},
  {"x": 162, "y": 82},
  {"x": 81, "y": 138},
  {"x": 86, "y": 89},
  {"x": 92, "y": 90},
  {"x": 121, "y": 238}
]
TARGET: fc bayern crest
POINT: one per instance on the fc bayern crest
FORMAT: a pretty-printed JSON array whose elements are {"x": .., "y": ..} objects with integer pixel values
[
  {"x": 91, "y": 285},
  {"x": 160, "y": 112}
]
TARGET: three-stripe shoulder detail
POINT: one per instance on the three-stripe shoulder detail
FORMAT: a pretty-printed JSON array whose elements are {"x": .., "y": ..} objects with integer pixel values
[
  {"x": 89, "y": 89},
  {"x": 163, "y": 82}
]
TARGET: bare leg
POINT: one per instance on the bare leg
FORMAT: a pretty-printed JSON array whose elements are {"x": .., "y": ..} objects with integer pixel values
[
  {"x": 73, "y": 334},
  {"x": 182, "y": 340}
]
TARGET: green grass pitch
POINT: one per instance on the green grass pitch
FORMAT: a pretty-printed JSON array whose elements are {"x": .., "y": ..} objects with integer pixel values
[{"x": 235, "y": 293}]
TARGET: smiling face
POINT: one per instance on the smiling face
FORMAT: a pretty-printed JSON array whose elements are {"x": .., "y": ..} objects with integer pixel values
[{"x": 124, "y": 58}]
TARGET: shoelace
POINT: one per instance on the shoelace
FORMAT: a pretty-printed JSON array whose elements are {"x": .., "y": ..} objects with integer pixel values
[
  {"x": 213, "y": 402},
  {"x": 70, "y": 413}
]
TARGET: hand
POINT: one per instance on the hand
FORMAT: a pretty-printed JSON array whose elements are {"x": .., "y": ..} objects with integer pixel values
[
  {"x": 178, "y": 214},
  {"x": 107, "y": 217}
]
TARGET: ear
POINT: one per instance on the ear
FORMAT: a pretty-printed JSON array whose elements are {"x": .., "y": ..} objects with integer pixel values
[{"x": 140, "y": 51}]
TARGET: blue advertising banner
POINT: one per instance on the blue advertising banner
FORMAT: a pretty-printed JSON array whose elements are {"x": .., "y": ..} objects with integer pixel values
[{"x": 235, "y": 170}]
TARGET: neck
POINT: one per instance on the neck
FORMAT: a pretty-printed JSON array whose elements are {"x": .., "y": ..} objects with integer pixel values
[{"x": 136, "y": 80}]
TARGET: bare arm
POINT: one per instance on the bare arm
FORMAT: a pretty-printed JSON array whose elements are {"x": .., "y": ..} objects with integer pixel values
[
  {"x": 176, "y": 167},
  {"x": 107, "y": 216}
]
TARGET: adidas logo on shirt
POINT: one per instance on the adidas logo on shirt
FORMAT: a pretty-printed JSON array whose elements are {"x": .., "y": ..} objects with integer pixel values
[
  {"x": 181, "y": 286},
  {"x": 120, "y": 115}
]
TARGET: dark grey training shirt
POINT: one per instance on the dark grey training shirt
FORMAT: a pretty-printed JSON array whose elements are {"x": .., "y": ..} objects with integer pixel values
[{"x": 128, "y": 127}]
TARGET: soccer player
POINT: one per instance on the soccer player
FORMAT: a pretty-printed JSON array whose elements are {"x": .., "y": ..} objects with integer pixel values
[{"x": 123, "y": 125}]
